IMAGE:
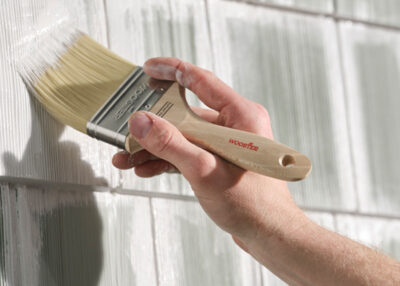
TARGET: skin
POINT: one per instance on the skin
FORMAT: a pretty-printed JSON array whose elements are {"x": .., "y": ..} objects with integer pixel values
[{"x": 258, "y": 211}]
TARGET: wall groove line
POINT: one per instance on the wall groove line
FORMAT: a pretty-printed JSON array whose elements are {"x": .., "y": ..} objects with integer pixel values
[
  {"x": 210, "y": 34},
  {"x": 107, "y": 24},
  {"x": 347, "y": 113},
  {"x": 148, "y": 194},
  {"x": 153, "y": 236},
  {"x": 334, "y": 16}
]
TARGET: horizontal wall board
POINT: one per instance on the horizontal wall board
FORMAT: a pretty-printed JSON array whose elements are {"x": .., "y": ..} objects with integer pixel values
[{"x": 290, "y": 64}]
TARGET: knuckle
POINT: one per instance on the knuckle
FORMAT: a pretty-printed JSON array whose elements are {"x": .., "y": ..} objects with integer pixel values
[
  {"x": 181, "y": 65},
  {"x": 260, "y": 108},
  {"x": 262, "y": 111},
  {"x": 205, "y": 164},
  {"x": 163, "y": 141},
  {"x": 208, "y": 73},
  {"x": 204, "y": 160},
  {"x": 202, "y": 78}
]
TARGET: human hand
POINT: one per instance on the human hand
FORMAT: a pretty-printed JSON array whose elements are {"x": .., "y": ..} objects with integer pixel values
[{"x": 239, "y": 201}]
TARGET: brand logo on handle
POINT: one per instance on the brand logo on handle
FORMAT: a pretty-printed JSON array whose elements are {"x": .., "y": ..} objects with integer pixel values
[{"x": 249, "y": 145}]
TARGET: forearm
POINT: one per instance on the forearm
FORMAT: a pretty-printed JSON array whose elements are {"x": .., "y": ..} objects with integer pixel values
[
  {"x": 303, "y": 253},
  {"x": 258, "y": 211}
]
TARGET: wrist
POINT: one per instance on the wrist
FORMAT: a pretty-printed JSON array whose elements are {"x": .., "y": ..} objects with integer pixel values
[
  {"x": 275, "y": 237},
  {"x": 277, "y": 218}
]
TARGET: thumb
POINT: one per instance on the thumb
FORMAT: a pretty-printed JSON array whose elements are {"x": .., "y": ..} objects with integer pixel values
[{"x": 165, "y": 141}]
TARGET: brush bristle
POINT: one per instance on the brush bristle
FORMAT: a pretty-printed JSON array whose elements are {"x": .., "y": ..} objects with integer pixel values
[{"x": 73, "y": 76}]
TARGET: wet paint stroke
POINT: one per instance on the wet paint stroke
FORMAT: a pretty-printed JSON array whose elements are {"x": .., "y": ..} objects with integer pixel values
[{"x": 32, "y": 143}]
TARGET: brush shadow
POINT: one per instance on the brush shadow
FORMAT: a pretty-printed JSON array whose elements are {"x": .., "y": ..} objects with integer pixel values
[{"x": 67, "y": 229}]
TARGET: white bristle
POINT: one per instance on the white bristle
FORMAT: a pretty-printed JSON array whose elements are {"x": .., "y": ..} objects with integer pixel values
[
  {"x": 72, "y": 75},
  {"x": 45, "y": 52}
]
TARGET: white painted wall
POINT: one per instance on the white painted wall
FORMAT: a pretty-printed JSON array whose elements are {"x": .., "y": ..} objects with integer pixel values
[{"x": 67, "y": 217}]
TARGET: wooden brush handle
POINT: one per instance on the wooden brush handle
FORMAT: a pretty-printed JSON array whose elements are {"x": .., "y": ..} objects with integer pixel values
[{"x": 246, "y": 150}]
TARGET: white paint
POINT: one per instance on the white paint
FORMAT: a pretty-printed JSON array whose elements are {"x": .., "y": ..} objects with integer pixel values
[
  {"x": 32, "y": 144},
  {"x": 44, "y": 53}
]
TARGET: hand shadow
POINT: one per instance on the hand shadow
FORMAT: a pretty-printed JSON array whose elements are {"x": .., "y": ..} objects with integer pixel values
[{"x": 71, "y": 233}]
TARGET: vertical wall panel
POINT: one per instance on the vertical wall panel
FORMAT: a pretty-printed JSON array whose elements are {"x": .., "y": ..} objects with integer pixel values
[
  {"x": 382, "y": 234},
  {"x": 55, "y": 237},
  {"x": 192, "y": 250},
  {"x": 143, "y": 29},
  {"x": 381, "y": 11},
  {"x": 32, "y": 144},
  {"x": 290, "y": 64},
  {"x": 372, "y": 62}
]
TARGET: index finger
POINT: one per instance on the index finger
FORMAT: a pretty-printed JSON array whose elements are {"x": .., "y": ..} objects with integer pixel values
[{"x": 210, "y": 89}]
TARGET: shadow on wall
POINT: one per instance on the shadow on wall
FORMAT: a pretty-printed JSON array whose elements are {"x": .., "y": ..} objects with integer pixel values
[
  {"x": 71, "y": 252},
  {"x": 71, "y": 246},
  {"x": 379, "y": 87}
]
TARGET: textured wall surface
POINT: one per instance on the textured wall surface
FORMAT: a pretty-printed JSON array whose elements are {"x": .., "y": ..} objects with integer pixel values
[
  {"x": 311, "y": 5},
  {"x": 67, "y": 217},
  {"x": 382, "y": 11}
]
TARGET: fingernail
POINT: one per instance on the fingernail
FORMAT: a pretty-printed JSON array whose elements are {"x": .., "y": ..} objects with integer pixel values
[
  {"x": 160, "y": 71},
  {"x": 179, "y": 77},
  {"x": 140, "y": 125}
]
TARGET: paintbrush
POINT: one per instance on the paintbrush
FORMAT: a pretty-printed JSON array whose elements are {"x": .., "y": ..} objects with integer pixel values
[{"x": 85, "y": 85}]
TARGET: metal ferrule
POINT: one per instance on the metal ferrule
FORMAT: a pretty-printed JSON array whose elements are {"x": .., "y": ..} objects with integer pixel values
[{"x": 137, "y": 92}]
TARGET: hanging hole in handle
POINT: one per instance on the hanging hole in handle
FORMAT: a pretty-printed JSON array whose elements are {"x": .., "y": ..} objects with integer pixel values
[{"x": 287, "y": 161}]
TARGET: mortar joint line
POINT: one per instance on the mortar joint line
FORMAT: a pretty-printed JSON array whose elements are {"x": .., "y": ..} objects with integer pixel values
[
  {"x": 260, "y": 269},
  {"x": 153, "y": 234},
  {"x": 209, "y": 30},
  {"x": 339, "y": 43},
  {"x": 335, "y": 212},
  {"x": 107, "y": 24},
  {"x": 69, "y": 187},
  {"x": 321, "y": 14},
  {"x": 335, "y": 7}
]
